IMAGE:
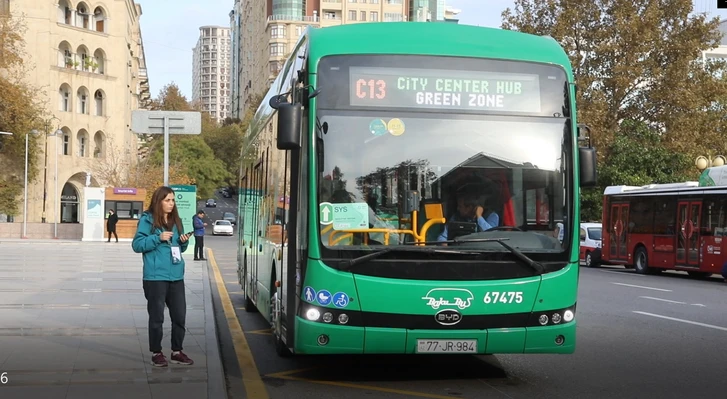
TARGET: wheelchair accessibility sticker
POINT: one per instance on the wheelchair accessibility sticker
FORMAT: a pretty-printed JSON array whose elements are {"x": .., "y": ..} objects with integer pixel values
[{"x": 340, "y": 300}]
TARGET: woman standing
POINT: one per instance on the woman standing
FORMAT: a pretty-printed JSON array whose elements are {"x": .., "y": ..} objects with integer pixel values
[{"x": 160, "y": 239}]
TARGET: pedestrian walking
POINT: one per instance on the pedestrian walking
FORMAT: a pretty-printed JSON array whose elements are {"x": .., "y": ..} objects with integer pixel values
[
  {"x": 199, "y": 225},
  {"x": 161, "y": 240},
  {"x": 111, "y": 225}
]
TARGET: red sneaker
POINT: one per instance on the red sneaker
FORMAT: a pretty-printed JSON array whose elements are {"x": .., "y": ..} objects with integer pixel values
[
  {"x": 181, "y": 358},
  {"x": 158, "y": 360}
]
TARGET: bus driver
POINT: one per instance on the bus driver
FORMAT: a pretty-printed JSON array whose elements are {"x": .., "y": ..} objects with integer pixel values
[{"x": 470, "y": 210}]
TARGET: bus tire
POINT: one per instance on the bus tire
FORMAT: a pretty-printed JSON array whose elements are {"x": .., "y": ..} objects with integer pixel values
[
  {"x": 589, "y": 260},
  {"x": 641, "y": 261}
]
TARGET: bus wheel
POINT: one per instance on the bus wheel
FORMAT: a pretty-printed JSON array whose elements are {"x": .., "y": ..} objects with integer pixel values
[
  {"x": 641, "y": 261},
  {"x": 589, "y": 260}
]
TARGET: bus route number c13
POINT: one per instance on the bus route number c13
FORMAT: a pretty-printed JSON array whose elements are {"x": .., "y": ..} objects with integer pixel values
[{"x": 371, "y": 89}]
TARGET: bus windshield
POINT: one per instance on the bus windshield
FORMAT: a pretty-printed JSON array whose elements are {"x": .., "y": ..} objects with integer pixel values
[{"x": 492, "y": 172}]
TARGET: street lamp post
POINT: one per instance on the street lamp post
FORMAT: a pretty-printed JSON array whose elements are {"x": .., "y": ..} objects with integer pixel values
[{"x": 703, "y": 162}]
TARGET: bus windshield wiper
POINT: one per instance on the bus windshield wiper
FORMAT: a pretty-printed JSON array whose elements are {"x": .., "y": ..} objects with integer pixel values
[
  {"x": 349, "y": 263},
  {"x": 526, "y": 259},
  {"x": 518, "y": 254}
]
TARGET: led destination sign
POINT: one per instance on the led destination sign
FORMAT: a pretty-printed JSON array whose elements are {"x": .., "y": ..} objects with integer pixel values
[{"x": 444, "y": 89}]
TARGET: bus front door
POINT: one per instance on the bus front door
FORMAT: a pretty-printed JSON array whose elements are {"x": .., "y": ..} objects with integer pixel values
[
  {"x": 688, "y": 213},
  {"x": 618, "y": 248}
]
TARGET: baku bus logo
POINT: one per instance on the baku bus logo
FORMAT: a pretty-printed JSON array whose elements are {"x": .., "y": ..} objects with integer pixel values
[{"x": 455, "y": 297}]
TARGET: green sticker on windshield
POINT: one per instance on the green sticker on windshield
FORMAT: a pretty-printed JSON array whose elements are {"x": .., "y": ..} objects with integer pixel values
[{"x": 350, "y": 216}]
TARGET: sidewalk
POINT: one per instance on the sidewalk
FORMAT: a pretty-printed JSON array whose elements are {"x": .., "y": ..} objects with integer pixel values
[{"x": 73, "y": 324}]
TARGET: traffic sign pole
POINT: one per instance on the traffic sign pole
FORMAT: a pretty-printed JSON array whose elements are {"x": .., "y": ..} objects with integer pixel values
[{"x": 166, "y": 151}]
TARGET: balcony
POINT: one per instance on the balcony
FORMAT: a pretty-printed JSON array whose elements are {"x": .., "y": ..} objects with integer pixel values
[{"x": 293, "y": 18}]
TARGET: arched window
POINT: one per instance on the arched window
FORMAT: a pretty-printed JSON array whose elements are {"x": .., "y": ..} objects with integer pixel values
[
  {"x": 64, "y": 98},
  {"x": 83, "y": 101},
  {"x": 99, "y": 101},
  {"x": 100, "y": 17},
  {"x": 83, "y": 16}
]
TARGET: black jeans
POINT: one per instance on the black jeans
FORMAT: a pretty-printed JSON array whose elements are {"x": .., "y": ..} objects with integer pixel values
[
  {"x": 171, "y": 293},
  {"x": 114, "y": 233},
  {"x": 198, "y": 247}
]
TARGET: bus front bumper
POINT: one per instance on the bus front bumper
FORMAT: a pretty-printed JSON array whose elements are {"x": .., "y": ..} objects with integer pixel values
[{"x": 316, "y": 338}]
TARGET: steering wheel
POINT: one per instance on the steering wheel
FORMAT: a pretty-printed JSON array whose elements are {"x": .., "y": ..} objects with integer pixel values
[{"x": 498, "y": 228}]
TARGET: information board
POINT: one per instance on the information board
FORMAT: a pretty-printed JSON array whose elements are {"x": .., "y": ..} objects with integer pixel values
[
  {"x": 417, "y": 88},
  {"x": 186, "y": 199}
]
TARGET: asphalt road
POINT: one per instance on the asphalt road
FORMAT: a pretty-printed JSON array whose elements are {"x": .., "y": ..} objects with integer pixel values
[
  {"x": 638, "y": 336},
  {"x": 216, "y": 213}
]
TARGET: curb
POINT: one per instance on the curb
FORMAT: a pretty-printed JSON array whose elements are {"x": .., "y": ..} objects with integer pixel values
[{"x": 216, "y": 386}]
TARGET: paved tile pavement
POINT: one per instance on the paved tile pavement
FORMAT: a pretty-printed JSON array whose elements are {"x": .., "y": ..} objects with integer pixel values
[{"x": 73, "y": 324}]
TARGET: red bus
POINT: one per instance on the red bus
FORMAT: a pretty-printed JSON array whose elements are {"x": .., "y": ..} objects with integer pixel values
[{"x": 678, "y": 226}]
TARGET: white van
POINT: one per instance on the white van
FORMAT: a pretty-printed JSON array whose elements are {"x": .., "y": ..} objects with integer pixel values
[{"x": 590, "y": 236}]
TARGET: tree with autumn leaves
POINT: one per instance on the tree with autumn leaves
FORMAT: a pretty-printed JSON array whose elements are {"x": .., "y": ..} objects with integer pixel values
[
  {"x": 209, "y": 160},
  {"x": 642, "y": 86},
  {"x": 21, "y": 111}
]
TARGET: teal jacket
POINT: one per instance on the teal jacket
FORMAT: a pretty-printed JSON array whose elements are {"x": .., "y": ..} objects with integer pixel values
[{"x": 157, "y": 255}]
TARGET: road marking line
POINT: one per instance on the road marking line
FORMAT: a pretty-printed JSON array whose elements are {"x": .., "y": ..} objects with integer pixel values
[
  {"x": 289, "y": 372},
  {"x": 254, "y": 386},
  {"x": 365, "y": 387},
  {"x": 663, "y": 300},
  {"x": 641, "y": 286},
  {"x": 696, "y": 323}
]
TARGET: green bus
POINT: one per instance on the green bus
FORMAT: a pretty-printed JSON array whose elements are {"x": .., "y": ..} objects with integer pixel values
[{"x": 404, "y": 183}]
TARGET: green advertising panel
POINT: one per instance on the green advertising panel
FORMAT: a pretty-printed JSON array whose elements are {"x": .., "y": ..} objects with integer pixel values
[{"x": 186, "y": 198}]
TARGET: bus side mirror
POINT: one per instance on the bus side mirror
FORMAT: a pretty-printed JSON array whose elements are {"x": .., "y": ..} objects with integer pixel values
[
  {"x": 587, "y": 157},
  {"x": 289, "y": 126}
]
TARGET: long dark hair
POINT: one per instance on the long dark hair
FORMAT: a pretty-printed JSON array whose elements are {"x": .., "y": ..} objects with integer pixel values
[{"x": 155, "y": 208}]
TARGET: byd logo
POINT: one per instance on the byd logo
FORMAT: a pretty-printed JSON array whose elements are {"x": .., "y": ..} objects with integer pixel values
[{"x": 448, "y": 317}]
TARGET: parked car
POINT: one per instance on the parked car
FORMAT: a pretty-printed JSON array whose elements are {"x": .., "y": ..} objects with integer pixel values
[
  {"x": 590, "y": 236},
  {"x": 222, "y": 227},
  {"x": 211, "y": 203},
  {"x": 230, "y": 217}
]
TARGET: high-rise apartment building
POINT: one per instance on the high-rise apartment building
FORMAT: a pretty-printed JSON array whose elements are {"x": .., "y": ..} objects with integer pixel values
[
  {"x": 211, "y": 71},
  {"x": 87, "y": 61},
  {"x": 235, "y": 53},
  {"x": 268, "y": 30}
]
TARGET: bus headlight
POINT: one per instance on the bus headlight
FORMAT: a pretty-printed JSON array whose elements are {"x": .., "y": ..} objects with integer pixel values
[
  {"x": 556, "y": 318},
  {"x": 543, "y": 319},
  {"x": 568, "y": 315},
  {"x": 328, "y": 317},
  {"x": 343, "y": 318},
  {"x": 312, "y": 314}
]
